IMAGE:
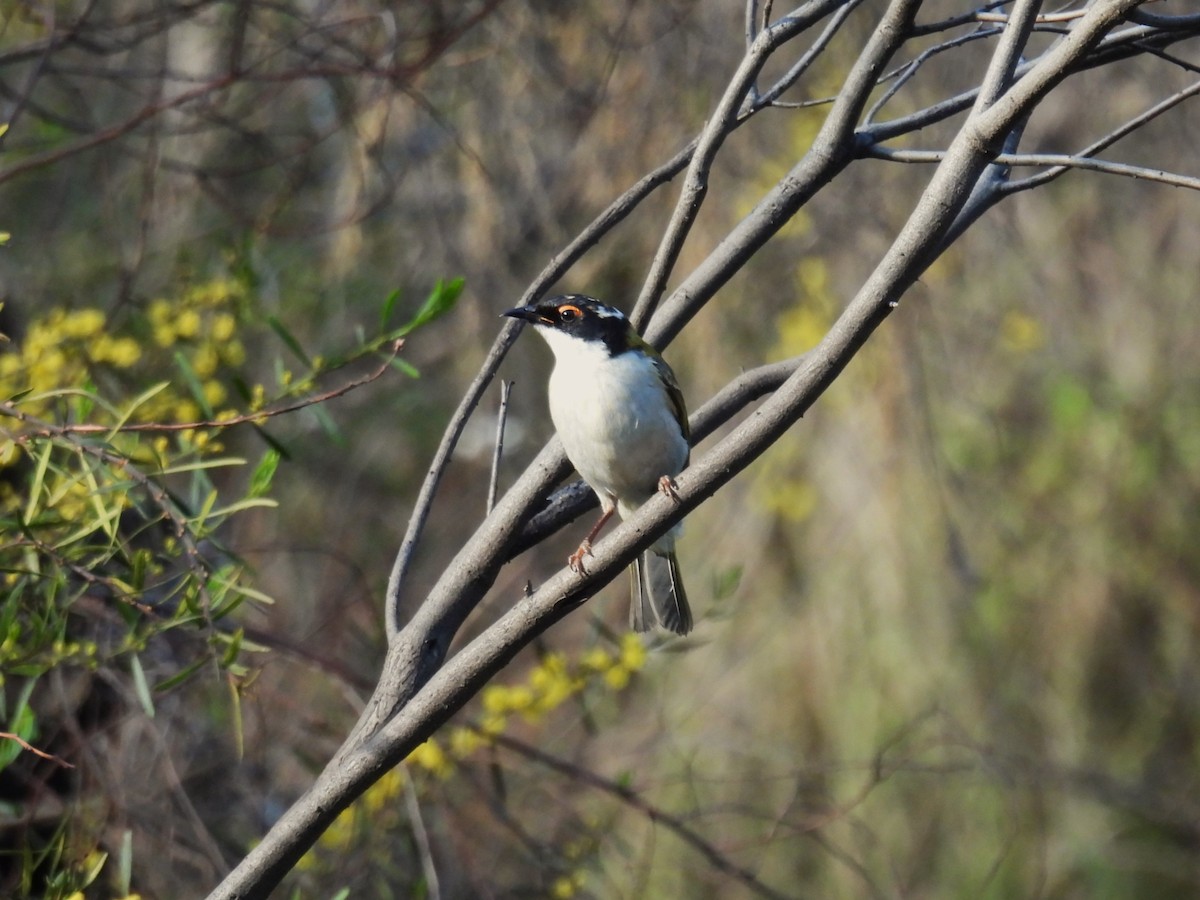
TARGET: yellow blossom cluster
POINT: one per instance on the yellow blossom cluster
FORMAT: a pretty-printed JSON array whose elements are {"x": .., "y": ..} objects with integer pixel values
[
  {"x": 554, "y": 681},
  {"x": 551, "y": 683},
  {"x": 59, "y": 350},
  {"x": 66, "y": 359},
  {"x": 200, "y": 327},
  {"x": 19, "y": 648},
  {"x": 567, "y": 885}
]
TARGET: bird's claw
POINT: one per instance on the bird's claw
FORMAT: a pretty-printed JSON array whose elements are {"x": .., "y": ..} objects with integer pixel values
[
  {"x": 666, "y": 485},
  {"x": 575, "y": 560}
]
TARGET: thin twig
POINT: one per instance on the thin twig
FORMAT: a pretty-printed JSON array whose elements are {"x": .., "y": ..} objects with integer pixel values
[
  {"x": 1043, "y": 19},
  {"x": 498, "y": 453},
  {"x": 8, "y": 735},
  {"x": 1111, "y": 138},
  {"x": 723, "y": 121},
  {"x": 905, "y": 73},
  {"x": 7, "y": 409},
  {"x": 1061, "y": 162},
  {"x": 796, "y": 72},
  {"x": 656, "y": 814},
  {"x": 834, "y": 148},
  {"x": 421, "y": 835},
  {"x": 1118, "y": 45}
]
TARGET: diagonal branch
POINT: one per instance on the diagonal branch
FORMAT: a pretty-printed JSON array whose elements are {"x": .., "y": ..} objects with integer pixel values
[
  {"x": 833, "y": 149},
  {"x": 417, "y": 691},
  {"x": 1058, "y": 163}
]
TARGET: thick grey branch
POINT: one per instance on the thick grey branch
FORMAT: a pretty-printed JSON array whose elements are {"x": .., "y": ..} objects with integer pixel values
[
  {"x": 833, "y": 149},
  {"x": 417, "y": 692}
]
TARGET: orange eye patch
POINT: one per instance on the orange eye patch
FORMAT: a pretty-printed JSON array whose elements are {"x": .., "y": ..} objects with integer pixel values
[{"x": 569, "y": 311}]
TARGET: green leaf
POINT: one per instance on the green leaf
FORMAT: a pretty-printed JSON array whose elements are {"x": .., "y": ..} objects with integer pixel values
[
  {"x": 239, "y": 735},
  {"x": 389, "y": 306},
  {"x": 39, "y": 481},
  {"x": 137, "y": 401},
  {"x": 206, "y": 507},
  {"x": 440, "y": 301},
  {"x": 406, "y": 367},
  {"x": 181, "y": 676},
  {"x": 259, "y": 597},
  {"x": 82, "y": 405},
  {"x": 290, "y": 340},
  {"x": 95, "y": 864},
  {"x": 140, "y": 686},
  {"x": 328, "y": 425},
  {"x": 237, "y": 506},
  {"x": 264, "y": 472},
  {"x": 139, "y": 565},
  {"x": 195, "y": 388},
  {"x": 234, "y": 641},
  {"x": 124, "y": 873},
  {"x": 200, "y": 464}
]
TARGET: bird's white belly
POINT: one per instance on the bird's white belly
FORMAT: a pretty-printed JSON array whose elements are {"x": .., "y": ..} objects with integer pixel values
[{"x": 616, "y": 423}]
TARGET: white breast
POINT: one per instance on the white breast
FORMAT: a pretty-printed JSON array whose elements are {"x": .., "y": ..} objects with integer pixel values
[{"x": 614, "y": 418}]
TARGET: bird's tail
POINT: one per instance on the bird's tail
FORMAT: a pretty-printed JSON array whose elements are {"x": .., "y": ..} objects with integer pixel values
[{"x": 658, "y": 595}]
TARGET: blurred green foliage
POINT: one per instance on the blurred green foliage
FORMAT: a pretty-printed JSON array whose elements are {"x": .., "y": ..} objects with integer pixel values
[{"x": 113, "y": 512}]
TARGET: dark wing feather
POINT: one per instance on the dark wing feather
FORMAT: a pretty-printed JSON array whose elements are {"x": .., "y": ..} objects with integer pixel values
[{"x": 674, "y": 394}]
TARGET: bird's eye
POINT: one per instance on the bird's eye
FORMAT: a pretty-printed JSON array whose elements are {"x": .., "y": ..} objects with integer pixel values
[{"x": 569, "y": 313}]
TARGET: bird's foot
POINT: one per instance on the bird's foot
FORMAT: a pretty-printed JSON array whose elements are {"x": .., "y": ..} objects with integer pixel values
[
  {"x": 575, "y": 560},
  {"x": 666, "y": 485}
]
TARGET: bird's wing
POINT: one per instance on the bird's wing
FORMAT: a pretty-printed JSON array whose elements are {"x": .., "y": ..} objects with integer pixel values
[
  {"x": 674, "y": 394},
  {"x": 670, "y": 384}
]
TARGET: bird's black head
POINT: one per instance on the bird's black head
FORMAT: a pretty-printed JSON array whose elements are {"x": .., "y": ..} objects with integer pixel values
[{"x": 582, "y": 317}]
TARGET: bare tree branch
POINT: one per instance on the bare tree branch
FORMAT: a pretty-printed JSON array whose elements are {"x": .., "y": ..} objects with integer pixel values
[
  {"x": 1060, "y": 163},
  {"x": 832, "y": 150},
  {"x": 722, "y": 122},
  {"x": 420, "y": 688}
]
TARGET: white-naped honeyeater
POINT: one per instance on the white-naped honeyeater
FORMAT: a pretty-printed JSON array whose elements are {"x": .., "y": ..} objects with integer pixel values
[{"x": 620, "y": 415}]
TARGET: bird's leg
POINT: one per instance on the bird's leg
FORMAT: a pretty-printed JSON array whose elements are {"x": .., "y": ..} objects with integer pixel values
[
  {"x": 666, "y": 485},
  {"x": 575, "y": 560}
]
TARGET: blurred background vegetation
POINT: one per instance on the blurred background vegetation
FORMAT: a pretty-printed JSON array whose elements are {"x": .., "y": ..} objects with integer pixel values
[{"x": 948, "y": 627}]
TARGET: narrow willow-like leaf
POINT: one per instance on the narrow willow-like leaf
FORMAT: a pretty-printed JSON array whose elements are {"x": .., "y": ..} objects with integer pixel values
[{"x": 140, "y": 686}]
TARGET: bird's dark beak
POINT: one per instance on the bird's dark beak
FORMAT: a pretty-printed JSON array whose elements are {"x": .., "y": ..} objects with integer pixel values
[{"x": 525, "y": 313}]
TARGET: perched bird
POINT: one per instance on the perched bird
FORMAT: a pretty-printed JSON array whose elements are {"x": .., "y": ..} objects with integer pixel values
[{"x": 620, "y": 415}]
